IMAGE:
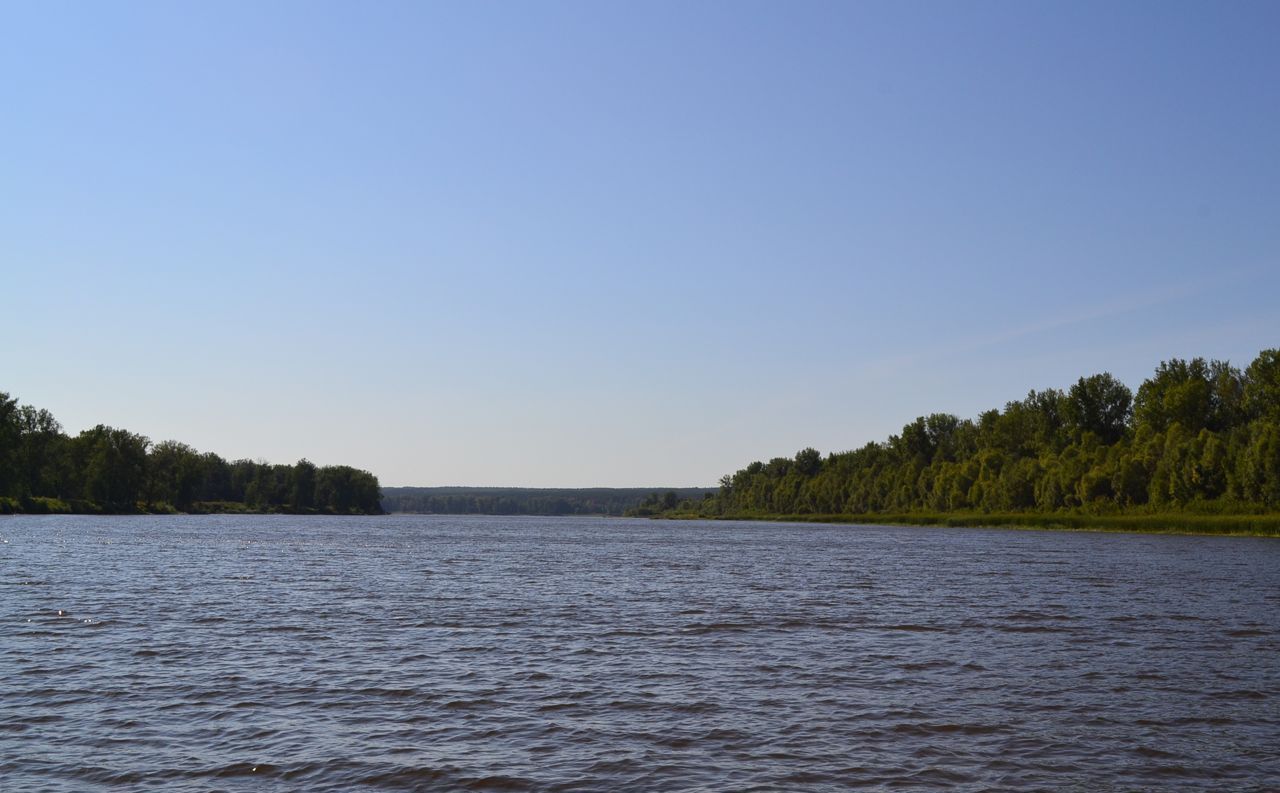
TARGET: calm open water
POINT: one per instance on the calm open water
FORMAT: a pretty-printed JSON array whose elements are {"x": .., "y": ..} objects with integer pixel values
[{"x": 437, "y": 653}]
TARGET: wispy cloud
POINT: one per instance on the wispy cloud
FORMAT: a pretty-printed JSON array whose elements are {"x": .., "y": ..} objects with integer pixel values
[{"x": 961, "y": 345}]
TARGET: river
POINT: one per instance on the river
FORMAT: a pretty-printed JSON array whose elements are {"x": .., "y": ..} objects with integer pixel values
[{"x": 491, "y": 653}]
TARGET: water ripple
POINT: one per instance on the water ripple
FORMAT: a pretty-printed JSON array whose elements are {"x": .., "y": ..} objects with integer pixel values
[{"x": 494, "y": 654}]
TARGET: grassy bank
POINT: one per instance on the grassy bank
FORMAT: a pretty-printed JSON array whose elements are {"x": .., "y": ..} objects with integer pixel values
[
  {"x": 1244, "y": 525},
  {"x": 43, "y": 506}
]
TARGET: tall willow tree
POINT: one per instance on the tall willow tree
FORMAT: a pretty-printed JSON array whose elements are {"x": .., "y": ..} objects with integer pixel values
[{"x": 1197, "y": 435}]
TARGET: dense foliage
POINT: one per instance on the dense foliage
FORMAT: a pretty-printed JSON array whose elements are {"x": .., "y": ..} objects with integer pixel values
[
  {"x": 113, "y": 470},
  {"x": 1198, "y": 436},
  {"x": 523, "y": 500}
]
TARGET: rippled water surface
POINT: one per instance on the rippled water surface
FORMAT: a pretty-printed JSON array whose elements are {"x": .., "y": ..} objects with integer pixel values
[{"x": 437, "y": 653}]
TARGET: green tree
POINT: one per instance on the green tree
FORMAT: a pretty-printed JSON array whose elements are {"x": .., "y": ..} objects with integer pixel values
[
  {"x": 1099, "y": 404},
  {"x": 303, "y": 483},
  {"x": 341, "y": 489},
  {"x": 1262, "y": 387},
  {"x": 10, "y": 477},
  {"x": 115, "y": 467},
  {"x": 39, "y": 447},
  {"x": 1178, "y": 393},
  {"x": 175, "y": 471},
  {"x": 808, "y": 462}
]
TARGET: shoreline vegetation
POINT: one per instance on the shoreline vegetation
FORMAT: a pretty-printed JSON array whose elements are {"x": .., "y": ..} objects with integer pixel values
[
  {"x": 1156, "y": 523},
  {"x": 1196, "y": 449},
  {"x": 105, "y": 470}
]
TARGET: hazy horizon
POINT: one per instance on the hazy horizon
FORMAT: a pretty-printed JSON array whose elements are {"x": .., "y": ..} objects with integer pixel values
[{"x": 572, "y": 245}]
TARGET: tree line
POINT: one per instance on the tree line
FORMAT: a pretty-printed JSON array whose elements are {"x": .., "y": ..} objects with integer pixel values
[
  {"x": 1197, "y": 436},
  {"x": 106, "y": 469},
  {"x": 522, "y": 500}
]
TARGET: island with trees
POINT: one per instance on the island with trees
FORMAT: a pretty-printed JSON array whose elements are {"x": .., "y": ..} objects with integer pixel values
[
  {"x": 110, "y": 470},
  {"x": 1196, "y": 448}
]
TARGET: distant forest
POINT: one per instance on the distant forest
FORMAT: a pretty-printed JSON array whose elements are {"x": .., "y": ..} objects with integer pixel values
[
  {"x": 530, "y": 501},
  {"x": 111, "y": 470},
  {"x": 1198, "y": 437}
]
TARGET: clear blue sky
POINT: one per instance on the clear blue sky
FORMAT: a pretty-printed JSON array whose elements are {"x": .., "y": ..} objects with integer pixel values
[{"x": 602, "y": 243}]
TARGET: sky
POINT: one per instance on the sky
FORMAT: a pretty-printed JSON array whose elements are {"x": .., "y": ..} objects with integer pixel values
[{"x": 620, "y": 244}]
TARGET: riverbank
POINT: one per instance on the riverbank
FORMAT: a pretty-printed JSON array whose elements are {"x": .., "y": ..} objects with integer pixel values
[
  {"x": 1236, "y": 525},
  {"x": 57, "y": 506}
]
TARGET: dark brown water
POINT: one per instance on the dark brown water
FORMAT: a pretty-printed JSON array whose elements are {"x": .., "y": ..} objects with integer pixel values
[{"x": 437, "y": 653}]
